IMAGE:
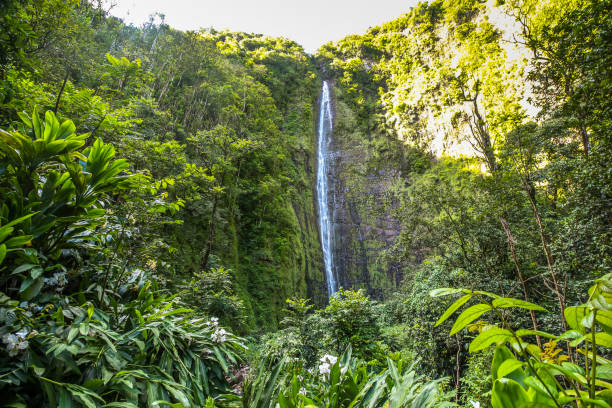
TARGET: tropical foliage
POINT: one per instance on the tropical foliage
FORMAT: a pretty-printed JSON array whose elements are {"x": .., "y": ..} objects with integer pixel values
[
  {"x": 159, "y": 240},
  {"x": 525, "y": 373},
  {"x": 343, "y": 382}
]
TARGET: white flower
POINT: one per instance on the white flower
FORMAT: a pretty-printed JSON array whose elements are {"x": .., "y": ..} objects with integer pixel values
[
  {"x": 61, "y": 278},
  {"x": 16, "y": 342},
  {"x": 10, "y": 340},
  {"x": 22, "y": 334},
  {"x": 51, "y": 281},
  {"x": 219, "y": 336},
  {"x": 302, "y": 391},
  {"x": 214, "y": 322},
  {"x": 329, "y": 358},
  {"x": 475, "y": 404},
  {"x": 58, "y": 279},
  {"x": 324, "y": 368},
  {"x": 134, "y": 275}
]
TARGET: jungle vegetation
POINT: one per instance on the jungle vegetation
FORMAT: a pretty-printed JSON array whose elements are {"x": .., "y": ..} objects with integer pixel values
[{"x": 159, "y": 240}]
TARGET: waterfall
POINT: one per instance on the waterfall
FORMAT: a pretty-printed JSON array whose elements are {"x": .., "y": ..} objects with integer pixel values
[{"x": 325, "y": 132}]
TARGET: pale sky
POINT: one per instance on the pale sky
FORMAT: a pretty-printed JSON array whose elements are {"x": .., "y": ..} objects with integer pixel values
[{"x": 311, "y": 23}]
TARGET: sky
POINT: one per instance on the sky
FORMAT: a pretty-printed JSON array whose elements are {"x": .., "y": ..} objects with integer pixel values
[{"x": 311, "y": 23}]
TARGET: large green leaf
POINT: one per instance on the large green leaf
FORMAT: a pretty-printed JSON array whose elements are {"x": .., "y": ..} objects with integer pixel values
[
  {"x": 30, "y": 288},
  {"x": 489, "y": 336},
  {"x": 509, "y": 366},
  {"x": 502, "y": 353},
  {"x": 574, "y": 315},
  {"x": 426, "y": 397},
  {"x": 604, "y": 318},
  {"x": 602, "y": 339},
  {"x": 468, "y": 316},
  {"x": 510, "y": 302},
  {"x": 452, "y": 308},
  {"x": 507, "y": 393},
  {"x": 604, "y": 371},
  {"x": 444, "y": 292}
]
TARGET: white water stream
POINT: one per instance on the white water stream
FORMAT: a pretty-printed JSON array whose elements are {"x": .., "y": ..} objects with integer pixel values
[{"x": 325, "y": 132}]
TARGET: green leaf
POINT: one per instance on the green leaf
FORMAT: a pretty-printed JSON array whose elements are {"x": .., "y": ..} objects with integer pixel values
[
  {"x": 510, "y": 302},
  {"x": 528, "y": 332},
  {"x": 456, "y": 305},
  {"x": 72, "y": 334},
  {"x": 508, "y": 393},
  {"x": 468, "y": 316},
  {"x": 502, "y": 353},
  {"x": 508, "y": 366},
  {"x": 444, "y": 292},
  {"x": 587, "y": 321},
  {"x": 64, "y": 399},
  {"x": 93, "y": 384},
  {"x": 20, "y": 219},
  {"x": 50, "y": 123},
  {"x": 37, "y": 370},
  {"x": 602, "y": 339},
  {"x": 37, "y": 125},
  {"x": 18, "y": 241},
  {"x": 66, "y": 129},
  {"x": 30, "y": 288},
  {"x": 574, "y": 315},
  {"x": 5, "y": 232},
  {"x": 604, "y": 317},
  {"x": 570, "y": 334},
  {"x": 577, "y": 341},
  {"x": 36, "y": 272},
  {"x": 604, "y": 371},
  {"x": 23, "y": 268},
  {"x": 488, "y": 337},
  {"x": 25, "y": 118},
  {"x": 56, "y": 146}
]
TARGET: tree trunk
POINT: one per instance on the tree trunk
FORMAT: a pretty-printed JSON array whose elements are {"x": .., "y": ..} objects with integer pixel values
[
  {"x": 506, "y": 227},
  {"x": 531, "y": 194},
  {"x": 211, "y": 226},
  {"x": 59, "y": 94}
]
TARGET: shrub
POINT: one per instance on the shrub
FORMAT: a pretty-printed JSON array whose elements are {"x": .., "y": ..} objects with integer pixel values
[
  {"x": 525, "y": 373},
  {"x": 342, "y": 382},
  {"x": 72, "y": 338}
]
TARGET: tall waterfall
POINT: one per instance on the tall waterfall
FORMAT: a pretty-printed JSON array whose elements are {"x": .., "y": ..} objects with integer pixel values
[{"x": 325, "y": 133}]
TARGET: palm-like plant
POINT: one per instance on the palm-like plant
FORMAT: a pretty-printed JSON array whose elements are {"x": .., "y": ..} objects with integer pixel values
[
  {"x": 141, "y": 349},
  {"x": 348, "y": 384}
]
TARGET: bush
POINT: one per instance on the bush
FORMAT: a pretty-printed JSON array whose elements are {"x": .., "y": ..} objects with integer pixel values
[
  {"x": 525, "y": 373},
  {"x": 76, "y": 334},
  {"x": 342, "y": 382},
  {"x": 353, "y": 323},
  {"x": 212, "y": 292}
]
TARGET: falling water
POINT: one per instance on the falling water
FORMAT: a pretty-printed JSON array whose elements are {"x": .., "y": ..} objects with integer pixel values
[{"x": 325, "y": 131}]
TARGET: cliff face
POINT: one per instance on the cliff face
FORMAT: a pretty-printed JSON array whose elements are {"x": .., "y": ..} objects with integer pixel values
[
  {"x": 267, "y": 230},
  {"x": 406, "y": 92},
  {"x": 366, "y": 167},
  {"x": 306, "y": 263},
  {"x": 289, "y": 261}
]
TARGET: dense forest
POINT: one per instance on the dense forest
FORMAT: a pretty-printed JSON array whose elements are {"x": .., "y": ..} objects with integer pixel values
[{"x": 160, "y": 235}]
